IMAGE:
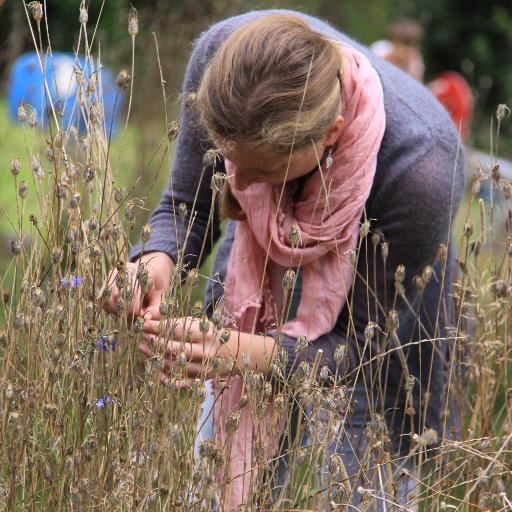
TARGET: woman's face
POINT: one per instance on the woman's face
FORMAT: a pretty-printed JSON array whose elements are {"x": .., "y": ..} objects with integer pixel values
[{"x": 266, "y": 166}]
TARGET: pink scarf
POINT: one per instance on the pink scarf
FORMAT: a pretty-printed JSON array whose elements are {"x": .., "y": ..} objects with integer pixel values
[{"x": 327, "y": 213}]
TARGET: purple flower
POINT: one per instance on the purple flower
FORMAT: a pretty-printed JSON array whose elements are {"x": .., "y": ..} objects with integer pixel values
[
  {"x": 106, "y": 345},
  {"x": 100, "y": 403},
  {"x": 76, "y": 281}
]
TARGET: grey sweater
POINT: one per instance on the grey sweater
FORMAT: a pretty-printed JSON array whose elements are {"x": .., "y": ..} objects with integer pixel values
[{"x": 414, "y": 198}]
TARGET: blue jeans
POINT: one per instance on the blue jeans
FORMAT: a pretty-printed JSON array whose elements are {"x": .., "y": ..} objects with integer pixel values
[{"x": 349, "y": 442}]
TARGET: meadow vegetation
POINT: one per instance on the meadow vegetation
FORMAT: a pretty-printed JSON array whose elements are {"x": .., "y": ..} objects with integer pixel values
[{"x": 85, "y": 422}]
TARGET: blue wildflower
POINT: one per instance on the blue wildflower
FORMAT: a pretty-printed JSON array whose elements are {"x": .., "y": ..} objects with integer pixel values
[
  {"x": 64, "y": 283},
  {"x": 106, "y": 345},
  {"x": 76, "y": 281},
  {"x": 100, "y": 403}
]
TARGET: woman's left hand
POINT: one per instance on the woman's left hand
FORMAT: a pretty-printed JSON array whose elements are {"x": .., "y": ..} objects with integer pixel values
[{"x": 197, "y": 343}]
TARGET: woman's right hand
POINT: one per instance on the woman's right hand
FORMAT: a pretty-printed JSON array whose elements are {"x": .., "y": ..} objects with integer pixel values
[{"x": 159, "y": 267}]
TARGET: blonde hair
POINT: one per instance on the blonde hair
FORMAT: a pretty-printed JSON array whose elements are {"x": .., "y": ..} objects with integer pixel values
[{"x": 274, "y": 83}]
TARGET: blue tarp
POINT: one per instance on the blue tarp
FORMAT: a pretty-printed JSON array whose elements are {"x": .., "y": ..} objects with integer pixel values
[{"x": 26, "y": 85}]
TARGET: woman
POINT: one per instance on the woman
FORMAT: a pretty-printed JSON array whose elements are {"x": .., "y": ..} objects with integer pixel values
[{"x": 327, "y": 149}]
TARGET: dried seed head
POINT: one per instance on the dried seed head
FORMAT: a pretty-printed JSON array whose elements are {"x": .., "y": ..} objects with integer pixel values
[
  {"x": 22, "y": 112},
  {"x": 190, "y": 99},
  {"x": 217, "y": 319},
  {"x": 502, "y": 111},
  {"x": 117, "y": 231},
  {"x": 138, "y": 325},
  {"x": 173, "y": 130},
  {"x": 409, "y": 383},
  {"x": 92, "y": 224},
  {"x": 495, "y": 172},
  {"x": 209, "y": 158},
  {"x": 74, "y": 202},
  {"x": 15, "y": 166},
  {"x": 419, "y": 284},
  {"x": 88, "y": 173},
  {"x": 183, "y": 211},
  {"x": 83, "y": 17},
  {"x": 369, "y": 331},
  {"x": 427, "y": 273},
  {"x": 204, "y": 325},
  {"x": 36, "y": 9},
  {"x": 392, "y": 322},
  {"x": 133, "y": 22},
  {"x": 365, "y": 229},
  {"x": 499, "y": 288},
  {"x": 95, "y": 113},
  {"x": 92, "y": 83},
  {"x": 301, "y": 344},
  {"x": 244, "y": 400},
  {"x": 507, "y": 190},
  {"x": 323, "y": 375},
  {"x": 164, "y": 309},
  {"x": 289, "y": 279},
  {"x": 197, "y": 309},
  {"x": 233, "y": 422},
  {"x": 339, "y": 354},
  {"x": 377, "y": 237},
  {"x": 95, "y": 250},
  {"x": 16, "y": 247},
  {"x": 32, "y": 119},
  {"x": 57, "y": 255},
  {"x": 146, "y": 233},
  {"x": 193, "y": 277},
  {"x": 468, "y": 229},
  {"x": 225, "y": 336},
  {"x": 400, "y": 274},
  {"x": 429, "y": 437},
  {"x": 123, "y": 79},
  {"x": 118, "y": 195},
  {"x": 384, "y": 247},
  {"x": 352, "y": 256},
  {"x": 218, "y": 180},
  {"x": 295, "y": 236},
  {"x": 129, "y": 212}
]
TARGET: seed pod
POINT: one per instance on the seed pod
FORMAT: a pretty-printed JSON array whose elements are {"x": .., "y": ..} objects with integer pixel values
[
  {"x": 377, "y": 237},
  {"x": 392, "y": 322},
  {"x": 57, "y": 255},
  {"x": 225, "y": 336},
  {"x": 123, "y": 79},
  {"x": 193, "y": 277},
  {"x": 339, "y": 354},
  {"x": 204, "y": 325},
  {"x": 217, "y": 319},
  {"x": 369, "y": 331},
  {"x": 129, "y": 212},
  {"x": 83, "y": 17},
  {"x": 146, "y": 233},
  {"x": 181, "y": 359},
  {"x": 133, "y": 22},
  {"x": 173, "y": 130},
  {"x": 400, "y": 274},
  {"x": 118, "y": 195},
  {"x": 190, "y": 99},
  {"x": 323, "y": 375},
  {"x": 209, "y": 158},
  {"x": 49, "y": 152},
  {"x": 95, "y": 113},
  {"x": 15, "y": 166},
  {"x": 244, "y": 400},
  {"x": 352, "y": 256},
  {"x": 295, "y": 236},
  {"x": 75, "y": 247},
  {"x": 495, "y": 172},
  {"x": 95, "y": 250},
  {"x": 218, "y": 180},
  {"x": 116, "y": 232},
  {"x": 365, "y": 229},
  {"x": 288, "y": 279},
  {"x": 183, "y": 211},
  {"x": 16, "y": 247},
  {"x": 197, "y": 309},
  {"x": 507, "y": 190},
  {"x": 501, "y": 111},
  {"x": 468, "y": 229},
  {"x": 36, "y": 10},
  {"x": 427, "y": 273},
  {"x": 233, "y": 422},
  {"x": 88, "y": 173},
  {"x": 92, "y": 224},
  {"x": 384, "y": 247},
  {"x": 22, "y": 112},
  {"x": 92, "y": 83},
  {"x": 74, "y": 202},
  {"x": 32, "y": 119},
  {"x": 419, "y": 284},
  {"x": 301, "y": 344}
]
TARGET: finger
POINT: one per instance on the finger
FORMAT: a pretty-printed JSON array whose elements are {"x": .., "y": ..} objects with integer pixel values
[
  {"x": 191, "y": 370},
  {"x": 144, "y": 349},
  {"x": 152, "y": 303},
  {"x": 178, "y": 384}
]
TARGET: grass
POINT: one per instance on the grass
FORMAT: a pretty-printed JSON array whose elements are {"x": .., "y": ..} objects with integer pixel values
[{"x": 85, "y": 422}]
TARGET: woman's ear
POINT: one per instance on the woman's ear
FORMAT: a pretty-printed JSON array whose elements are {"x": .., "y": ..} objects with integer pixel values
[{"x": 334, "y": 131}]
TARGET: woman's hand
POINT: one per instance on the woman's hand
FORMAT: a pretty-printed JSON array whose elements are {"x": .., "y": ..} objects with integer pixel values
[
  {"x": 197, "y": 343},
  {"x": 159, "y": 267}
]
